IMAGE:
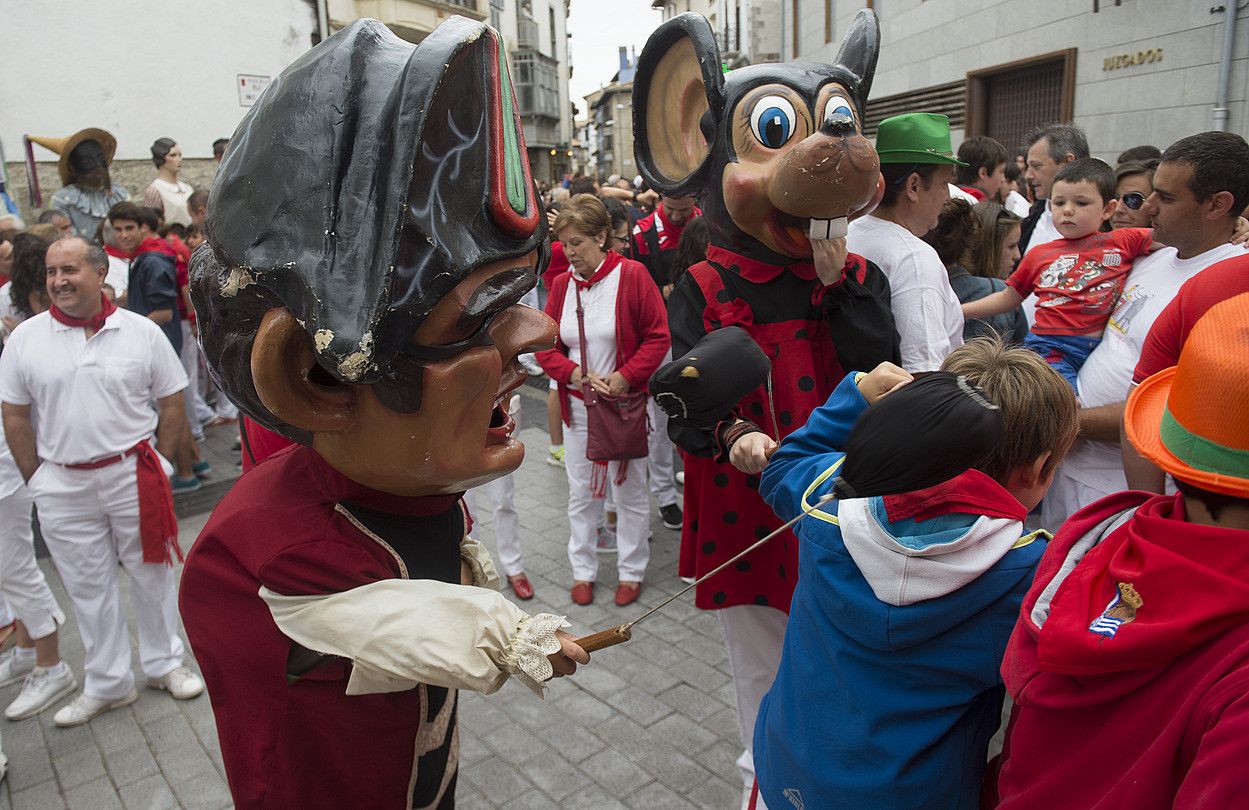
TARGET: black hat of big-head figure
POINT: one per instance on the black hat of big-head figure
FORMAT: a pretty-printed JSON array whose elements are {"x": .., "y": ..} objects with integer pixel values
[
  {"x": 683, "y": 106},
  {"x": 370, "y": 178}
]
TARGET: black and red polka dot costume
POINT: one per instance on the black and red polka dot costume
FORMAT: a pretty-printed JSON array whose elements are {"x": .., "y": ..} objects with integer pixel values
[{"x": 813, "y": 334}]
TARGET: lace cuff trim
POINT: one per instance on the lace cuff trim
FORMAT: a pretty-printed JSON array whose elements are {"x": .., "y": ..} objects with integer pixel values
[{"x": 526, "y": 657}]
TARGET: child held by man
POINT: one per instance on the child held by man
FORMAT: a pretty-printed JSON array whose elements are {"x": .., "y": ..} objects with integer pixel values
[
  {"x": 1077, "y": 279},
  {"x": 910, "y": 578}
]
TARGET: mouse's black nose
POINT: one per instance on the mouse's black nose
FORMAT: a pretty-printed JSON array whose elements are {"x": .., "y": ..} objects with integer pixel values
[{"x": 838, "y": 124}]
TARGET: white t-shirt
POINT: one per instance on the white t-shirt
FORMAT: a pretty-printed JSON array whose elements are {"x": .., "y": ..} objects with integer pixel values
[
  {"x": 1095, "y": 469},
  {"x": 1017, "y": 204},
  {"x": 599, "y": 306},
  {"x": 89, "y": 398},
  {"x": 925, "y": 309},
  {"x": 118, "y": 275}
]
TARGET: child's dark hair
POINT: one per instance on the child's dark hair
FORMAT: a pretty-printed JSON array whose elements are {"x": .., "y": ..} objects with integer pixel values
[
  {"x": 1095, "y": 171},
  {"x": 138, "y": 214},
  {"x": 692, "y": 247},
  {"x": 194, "y": 230}
]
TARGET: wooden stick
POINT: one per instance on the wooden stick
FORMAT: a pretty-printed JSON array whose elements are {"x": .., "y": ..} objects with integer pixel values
[{"x": 605, "y": 638}]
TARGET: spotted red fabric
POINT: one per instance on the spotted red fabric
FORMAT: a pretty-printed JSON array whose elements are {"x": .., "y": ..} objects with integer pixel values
[{"x": 723, "y": 511}]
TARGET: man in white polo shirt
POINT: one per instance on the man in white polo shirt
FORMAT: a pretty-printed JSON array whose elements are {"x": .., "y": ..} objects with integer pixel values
[
  {"x": 917, "y": 162},
  {"x": 76, "y": 383},
  {"x": 1200, "y": 188}
]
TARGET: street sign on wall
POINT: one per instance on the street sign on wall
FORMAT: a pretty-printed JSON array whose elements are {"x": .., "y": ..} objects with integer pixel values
[{"x": 250, "y": 87}]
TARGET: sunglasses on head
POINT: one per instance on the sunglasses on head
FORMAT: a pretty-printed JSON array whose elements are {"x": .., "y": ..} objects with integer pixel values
[{"x": 1133, "y": 200}]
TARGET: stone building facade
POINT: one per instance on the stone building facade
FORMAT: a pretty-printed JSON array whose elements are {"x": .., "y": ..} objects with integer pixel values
[{"x": 1129, "y": 72}]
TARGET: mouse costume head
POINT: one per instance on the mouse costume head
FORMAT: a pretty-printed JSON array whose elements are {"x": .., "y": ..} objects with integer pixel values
[
  {"x": 768, "y": 149},
  {"x": 369, "y": 235}
]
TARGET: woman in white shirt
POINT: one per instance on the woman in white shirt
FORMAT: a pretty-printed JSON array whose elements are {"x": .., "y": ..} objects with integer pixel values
[{"x": 167, "y": 194}]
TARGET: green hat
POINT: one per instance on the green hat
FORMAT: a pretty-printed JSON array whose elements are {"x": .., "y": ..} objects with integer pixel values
[{"x": 916, "y": 138}]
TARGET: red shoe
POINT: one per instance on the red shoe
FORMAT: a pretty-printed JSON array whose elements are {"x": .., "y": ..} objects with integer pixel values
[
  {"x": 520, "y": 586},
  {"x": 627, "y": 593},
  {"x": 583, "y": 593}
]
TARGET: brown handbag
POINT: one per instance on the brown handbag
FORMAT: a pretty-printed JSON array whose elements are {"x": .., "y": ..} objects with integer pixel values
[{"x": 617, "y": 427}]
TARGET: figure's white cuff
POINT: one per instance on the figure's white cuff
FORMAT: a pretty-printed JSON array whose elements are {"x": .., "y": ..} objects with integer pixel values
[{"x": 526, "y": 656}]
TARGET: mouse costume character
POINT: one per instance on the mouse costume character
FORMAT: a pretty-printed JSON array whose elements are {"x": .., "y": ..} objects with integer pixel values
[
  {"x": 776, "y": 157},
  {"x": 86, "y": 192},
  {"x": 370, "y": 234}
]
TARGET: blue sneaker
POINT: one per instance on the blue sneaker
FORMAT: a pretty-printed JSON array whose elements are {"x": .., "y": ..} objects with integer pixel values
[
  {"x": 183, "y": 485},
  {"x": 202, "y": 469}
]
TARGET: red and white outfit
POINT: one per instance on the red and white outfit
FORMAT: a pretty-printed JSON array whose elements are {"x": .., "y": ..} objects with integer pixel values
[
  {"x": 90, "y": 406},
  {"x": 627, "y": 331},
  {"x": 1143, "y": 706}
]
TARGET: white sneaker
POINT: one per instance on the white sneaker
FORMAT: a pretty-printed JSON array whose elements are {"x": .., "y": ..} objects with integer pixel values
[
  {"x": 181, "y": 683},
  {"x": 12, "y": 669},
  {"x": 84, "y": 709},
  {"x": 40, "y": 690}
]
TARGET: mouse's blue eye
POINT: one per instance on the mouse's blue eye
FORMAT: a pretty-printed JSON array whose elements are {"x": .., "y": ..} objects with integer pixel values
[
  {"x": 837, "y": 106},
  {"x": 772, "y": 121}
]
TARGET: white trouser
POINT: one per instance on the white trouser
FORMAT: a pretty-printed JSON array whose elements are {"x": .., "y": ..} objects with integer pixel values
[
  {"x": 499, "y": 496},
  {"x": 197, "y": 411},
  {"x": 659, "y": 464},
  {"x": 21, "y": 581},
  {"x": 585, "y": 514},
  {"x": 6, "y": 612},
  {"x": 90, "y": 521},
  {"x": 754, "y": 635}
]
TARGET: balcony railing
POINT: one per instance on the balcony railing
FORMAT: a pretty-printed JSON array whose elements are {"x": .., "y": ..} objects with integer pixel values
[{"x": 527, "y": 33}]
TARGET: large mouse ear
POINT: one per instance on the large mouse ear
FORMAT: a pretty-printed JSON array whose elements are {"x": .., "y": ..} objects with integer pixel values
[
  {"x": 859, "y": 49},
  {"x": 678, "y": 80}
]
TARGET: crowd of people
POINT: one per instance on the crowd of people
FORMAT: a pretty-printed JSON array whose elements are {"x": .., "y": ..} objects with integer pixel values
[
  {"x": 1057, "y": 288},
  {"x": 104, "y": 408}
]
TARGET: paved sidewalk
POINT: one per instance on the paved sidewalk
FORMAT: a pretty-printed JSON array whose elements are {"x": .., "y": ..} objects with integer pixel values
[{"x": 649, "y": 724}]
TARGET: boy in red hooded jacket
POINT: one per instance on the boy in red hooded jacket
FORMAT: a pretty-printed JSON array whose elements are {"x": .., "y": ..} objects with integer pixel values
[{"x": 1129, "y": 666}]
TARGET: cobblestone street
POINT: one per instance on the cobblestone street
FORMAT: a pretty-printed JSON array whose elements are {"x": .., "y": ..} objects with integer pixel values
[{"x": 649, "y": 724}]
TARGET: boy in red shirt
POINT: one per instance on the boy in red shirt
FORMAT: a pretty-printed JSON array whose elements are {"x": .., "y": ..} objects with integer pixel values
[
  {"x": 1129, "y": 666},
  {"x": 1077, "y": 279}
]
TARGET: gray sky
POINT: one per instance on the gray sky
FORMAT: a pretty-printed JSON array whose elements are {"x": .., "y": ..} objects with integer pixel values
[{"x": 597, "y": 29}]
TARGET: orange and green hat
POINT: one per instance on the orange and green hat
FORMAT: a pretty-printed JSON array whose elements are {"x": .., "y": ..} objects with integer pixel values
[
  {"x": 916, "y": 138},
  {"x": 1192, "y": 420}
]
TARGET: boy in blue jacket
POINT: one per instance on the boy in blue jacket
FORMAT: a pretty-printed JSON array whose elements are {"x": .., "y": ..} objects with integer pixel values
[{"x": 888, "y": 691}]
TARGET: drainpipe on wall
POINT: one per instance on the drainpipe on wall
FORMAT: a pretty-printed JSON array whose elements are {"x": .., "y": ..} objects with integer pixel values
[
  {"x": 1221, "y": 112},
  {"x": 323, "y": 20}
]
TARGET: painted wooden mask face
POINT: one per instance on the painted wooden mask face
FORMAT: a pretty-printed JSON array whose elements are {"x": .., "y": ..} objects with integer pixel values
[
  {"x": 371, "y": 231},
  {"x": 766, "y": 148}
]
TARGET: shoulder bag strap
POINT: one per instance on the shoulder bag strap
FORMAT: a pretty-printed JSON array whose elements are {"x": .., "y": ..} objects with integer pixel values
[{"x": 586, "y": 390}]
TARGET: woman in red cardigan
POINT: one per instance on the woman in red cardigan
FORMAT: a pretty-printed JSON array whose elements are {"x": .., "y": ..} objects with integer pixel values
[{"x": 626, "y": 332}]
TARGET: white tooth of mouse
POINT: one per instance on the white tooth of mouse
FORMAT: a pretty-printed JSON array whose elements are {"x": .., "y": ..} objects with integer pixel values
[{"x": 835, "y": 228}]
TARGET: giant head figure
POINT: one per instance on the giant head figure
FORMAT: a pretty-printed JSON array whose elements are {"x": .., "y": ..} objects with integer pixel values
[
  {"x": 774, "y": 152},
  {"x": 369, "y": 235}
]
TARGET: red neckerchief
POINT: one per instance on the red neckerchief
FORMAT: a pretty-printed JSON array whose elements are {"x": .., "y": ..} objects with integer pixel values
[
  {"x": 755, "y": 271},
  {"x": 674, "y": 230},
  {"x": 118, "y": 252},
  {"x": 154, "y": 244},
  {"x": 95, "y": 322},
  {"x": 610, "y": 261},
  {"x": 972, "y": 493},
  {"x": 973, "y": 191}
]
